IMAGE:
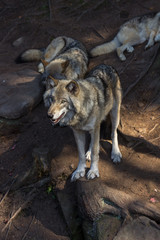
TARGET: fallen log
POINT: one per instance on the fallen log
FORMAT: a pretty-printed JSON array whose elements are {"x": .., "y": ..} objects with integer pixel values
[{"x": 95, "y": 198}]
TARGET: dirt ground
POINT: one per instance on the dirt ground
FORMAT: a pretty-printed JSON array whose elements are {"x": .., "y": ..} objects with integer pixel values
[{"x": 38, "y": 22}]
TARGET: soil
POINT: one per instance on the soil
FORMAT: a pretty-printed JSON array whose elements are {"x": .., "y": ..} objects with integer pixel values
[{"x": 38, "y": 22}]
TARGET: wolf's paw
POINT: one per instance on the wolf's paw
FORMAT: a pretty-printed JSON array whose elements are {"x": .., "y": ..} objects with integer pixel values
[
  {"x": 77, "y": 174},
  {"x": 122, "y": 57},
  {"x": 147, "y": 46},
  {"x": 40, "y": 68},
  {"x": 92, "y": 173},
  {"x": 88, "y": 155},
  {"x": 116, "y": 157},
  {"x": 130, "y": 49},
  {"x": 157, "y": 38}
]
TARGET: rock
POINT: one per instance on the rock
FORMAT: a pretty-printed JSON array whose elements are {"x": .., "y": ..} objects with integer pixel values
[
  {"x": 103, "y": 228},
  {"x": 139, "y": 229},
  {"x": 107, "y": 227},
  {"x": 89, "y": 230},
  {"x": 70, "y": 214},
  {"x": 20, "y": 92},
  {"x": 38, "y": 172},
  {"x": 8, "y": 126},
  {"x": 96, "y": 198},
  {"x": 38, "y": 169},
  {"x": 18, "y": 42}
]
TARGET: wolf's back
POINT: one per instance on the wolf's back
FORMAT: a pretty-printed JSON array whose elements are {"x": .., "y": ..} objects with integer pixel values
[
  {"x": 30, "y": 55},
  {"x": 105, "y": 48}
]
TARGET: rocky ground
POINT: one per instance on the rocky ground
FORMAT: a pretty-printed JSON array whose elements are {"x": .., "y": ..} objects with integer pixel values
[{"x": 37, "y": 199}]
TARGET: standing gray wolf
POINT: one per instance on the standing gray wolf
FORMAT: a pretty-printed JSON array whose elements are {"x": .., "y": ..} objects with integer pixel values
[
  {"x": 83, "y": 104},
  {"x": 133, "y": 32},
  {"x": 64, "y": 58}
]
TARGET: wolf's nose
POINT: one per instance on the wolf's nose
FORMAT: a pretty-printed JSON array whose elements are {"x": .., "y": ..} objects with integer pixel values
[{"x": 50, "y": 115}]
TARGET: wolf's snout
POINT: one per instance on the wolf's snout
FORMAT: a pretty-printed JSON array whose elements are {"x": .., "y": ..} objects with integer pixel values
[{"x": 50, "y": 115}]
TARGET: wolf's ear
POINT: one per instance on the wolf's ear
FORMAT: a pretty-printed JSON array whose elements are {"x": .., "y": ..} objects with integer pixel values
[
  {"x": 64, "y": 65},
  {"x": 45, "y": 63},
  {"x": 73, "y": 87},
  {"x": 55, "y": 81}
]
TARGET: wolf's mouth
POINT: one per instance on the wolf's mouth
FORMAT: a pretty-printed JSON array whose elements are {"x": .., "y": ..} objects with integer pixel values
[{"x": 55, "y": 121}]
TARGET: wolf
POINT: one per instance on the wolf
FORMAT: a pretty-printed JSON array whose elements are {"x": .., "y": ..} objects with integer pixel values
[
  {"x": 133, "y": 32},
  {"x": 83, "y": 104},
  {"x": 64, "y": 58}
]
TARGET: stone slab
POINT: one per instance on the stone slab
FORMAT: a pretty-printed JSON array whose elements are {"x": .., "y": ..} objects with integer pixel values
[
  {"x": 141, "y": 228},
  {"x": 20, "y": 92}
]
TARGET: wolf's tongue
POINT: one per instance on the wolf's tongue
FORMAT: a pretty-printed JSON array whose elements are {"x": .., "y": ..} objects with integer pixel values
[{"x": 58, "y": 119}]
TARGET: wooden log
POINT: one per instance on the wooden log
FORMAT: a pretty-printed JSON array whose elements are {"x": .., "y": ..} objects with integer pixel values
[{"x": 95, "y": 198}]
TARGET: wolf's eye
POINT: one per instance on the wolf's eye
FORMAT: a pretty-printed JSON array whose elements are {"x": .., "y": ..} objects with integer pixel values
[{"x": 63, "y": 101}]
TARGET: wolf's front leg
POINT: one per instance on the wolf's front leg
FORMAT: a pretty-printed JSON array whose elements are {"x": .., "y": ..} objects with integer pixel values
[
  {"x": 94, "y": 146},
  {"x": 151, "y": 40},
  {"x": 80, "y": 140}
]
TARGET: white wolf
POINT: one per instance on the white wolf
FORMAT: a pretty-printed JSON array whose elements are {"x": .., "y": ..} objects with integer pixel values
[{"x": 135, "y": 31}]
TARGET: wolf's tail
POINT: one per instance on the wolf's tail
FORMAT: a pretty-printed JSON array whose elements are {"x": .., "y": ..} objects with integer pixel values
[
  {"x": 105, "y": 48},
  {"x": 30, "y": 55}
]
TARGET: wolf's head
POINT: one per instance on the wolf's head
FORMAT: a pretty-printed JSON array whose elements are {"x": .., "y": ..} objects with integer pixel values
[
  {"x": 57, "y": 68},
  {"x": 59, "y": 99}
]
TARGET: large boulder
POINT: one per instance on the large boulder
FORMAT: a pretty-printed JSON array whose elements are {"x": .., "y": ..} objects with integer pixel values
[
  {"x": 139, "y": 229},
  {"x": 20, "y": 92}
]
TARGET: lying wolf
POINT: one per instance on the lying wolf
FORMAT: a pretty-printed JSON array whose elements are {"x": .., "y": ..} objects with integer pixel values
[
  {"x": 83, "y": 104},
  {"x": 64, "y": 58},
  {"x": 133, "y": 32}
]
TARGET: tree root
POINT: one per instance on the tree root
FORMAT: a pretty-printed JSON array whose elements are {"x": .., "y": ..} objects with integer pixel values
[{"x": 95, "y": 198}]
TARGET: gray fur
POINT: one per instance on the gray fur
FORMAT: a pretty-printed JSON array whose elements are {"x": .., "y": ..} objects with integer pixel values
[
  {"x": 83, "y": 104},
  {"x": 133, "y": 32},
  {"x": 64, "y": 58}
]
